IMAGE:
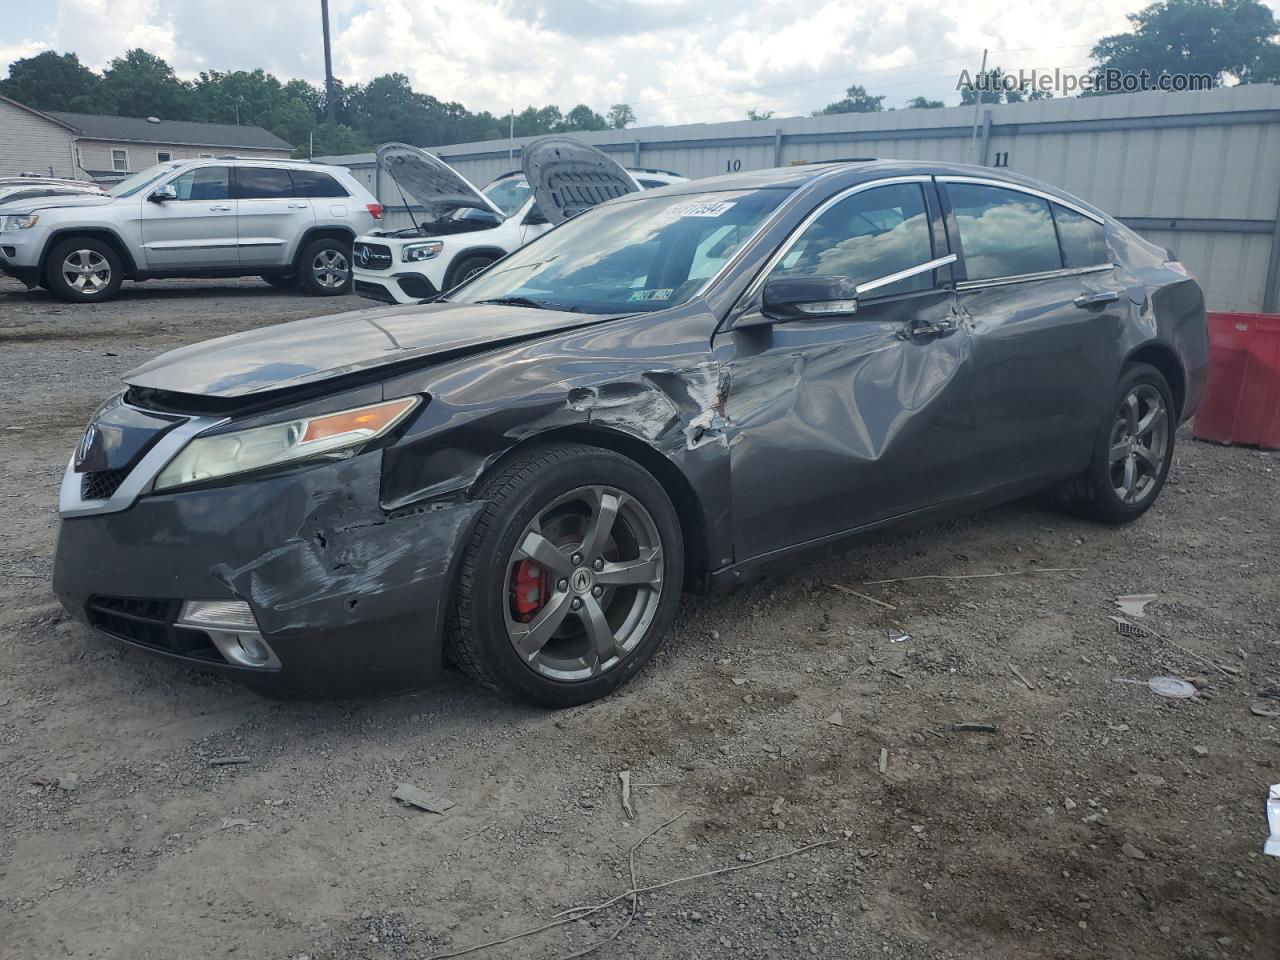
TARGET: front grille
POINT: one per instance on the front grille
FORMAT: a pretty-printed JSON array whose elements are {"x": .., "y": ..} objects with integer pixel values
[
  {"x": 150, "y": 623},
  {"x": 101, "y": 484},
  {"x": 372, "y": 256},
  {"x": 373, "y": 291}
]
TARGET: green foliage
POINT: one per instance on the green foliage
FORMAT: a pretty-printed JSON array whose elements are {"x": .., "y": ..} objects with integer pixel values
[
  {"x": 856, "y": 100},
  {"x": 620, "y": 115},
  {"x": 55, "y": 81},
  {"x": 1226, "y": 39},
  {"x": 140, "y": 84},
  {"x": 924, "y": 103},
  {"x": 754, "y": 114}
]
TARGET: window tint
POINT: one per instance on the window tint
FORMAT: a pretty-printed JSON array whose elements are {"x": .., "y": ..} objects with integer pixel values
[
  {"x": 1004, "y": 233},
  {"x": 262, "y": 183},
  {"x": 313, "y": 183},
  {"x": 1084, "y": 241},
  {"x": 865, "y": 237},
  {"x": 203, "y": 183}
]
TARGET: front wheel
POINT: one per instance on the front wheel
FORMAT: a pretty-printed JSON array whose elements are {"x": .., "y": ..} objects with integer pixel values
[
  {"x": 572, "y": 578},
  {"x": 84, "y": 270},
  {"x": 1133, "y": 448},
  {"x": 324, "y": 268},
  {"x": 466, "y": 268}
]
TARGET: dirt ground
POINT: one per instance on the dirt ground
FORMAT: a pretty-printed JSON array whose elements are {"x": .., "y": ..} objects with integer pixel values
[{"x": 1098, "y": 820}]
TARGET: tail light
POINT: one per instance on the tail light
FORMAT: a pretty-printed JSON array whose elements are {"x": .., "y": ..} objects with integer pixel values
[
  {"x": 1177, "y": 266},
  {"x": 375, "y": 210}
]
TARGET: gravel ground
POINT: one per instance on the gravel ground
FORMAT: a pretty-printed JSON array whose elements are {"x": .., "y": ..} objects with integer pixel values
[{"x": 1098, "y": 820}]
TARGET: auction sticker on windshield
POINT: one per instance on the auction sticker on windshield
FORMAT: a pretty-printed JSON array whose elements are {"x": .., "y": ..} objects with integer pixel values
[
  {"x": 662, "y": 293},
  {"x": 702, "y": 208}
]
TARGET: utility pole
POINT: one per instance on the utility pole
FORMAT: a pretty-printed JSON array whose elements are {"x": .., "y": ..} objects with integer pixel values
[
  {"x": 511, "y": 140},
  {"x": 977, "y": 106},
  {"x": 330, "y": 107}
]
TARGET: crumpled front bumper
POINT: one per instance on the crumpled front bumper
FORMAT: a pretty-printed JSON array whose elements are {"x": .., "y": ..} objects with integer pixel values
[{"x": 349, "y": 596}]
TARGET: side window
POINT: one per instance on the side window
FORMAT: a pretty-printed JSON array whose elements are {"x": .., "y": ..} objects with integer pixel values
[
  {"x": 263, "y": 183},
  {"x": 203, "y": 183},
  {"x": 1084, "y": 241},
  {"x": 313, "y": 183},
  {"x": 866, "y": 236},
  {"x": 1004, "y": 233}
]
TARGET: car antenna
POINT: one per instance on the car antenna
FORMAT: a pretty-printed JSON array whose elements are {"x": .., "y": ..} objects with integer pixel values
[{"x": 407, "y": 209}]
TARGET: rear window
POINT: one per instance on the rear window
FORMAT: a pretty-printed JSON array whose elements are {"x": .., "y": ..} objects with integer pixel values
[
  {"x": 1004, "y": 233},
  {"x": 313, "y": 183},
  {"x": 262, "y": 183},
  {"x": 1084, "y": 240}
]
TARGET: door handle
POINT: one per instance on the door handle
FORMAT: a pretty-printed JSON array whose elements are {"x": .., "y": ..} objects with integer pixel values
[
  {"x": 936, "y": 328},
  {"x": 1087, "y": 300},
  {"x": 220, "y": 206},
  {"x": 297, "y": 206}
]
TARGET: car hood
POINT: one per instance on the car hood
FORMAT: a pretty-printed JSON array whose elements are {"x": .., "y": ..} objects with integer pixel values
[
  {"x": 46, "y": 203},
  {"x": 305, "y": 352},
  {"x": 434, "y": 184},
  {"x": 568, "y": 176}
]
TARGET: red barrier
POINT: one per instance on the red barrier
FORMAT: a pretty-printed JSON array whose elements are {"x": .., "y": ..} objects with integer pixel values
[{"x": 1242, "y": 401}]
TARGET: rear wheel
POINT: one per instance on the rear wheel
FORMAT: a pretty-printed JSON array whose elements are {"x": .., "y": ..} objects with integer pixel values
[
  {"x": 1132, "y": 450},
  {"x": 572, "y": 578},
  {"x": 324, "y": 267},
  {"x": 84, "y": 270}
]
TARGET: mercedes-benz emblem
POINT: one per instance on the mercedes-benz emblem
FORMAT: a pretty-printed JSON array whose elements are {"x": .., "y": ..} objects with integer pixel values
[
  {"x": 86, "y": 445},
  {"x": 364, "y": 256}
]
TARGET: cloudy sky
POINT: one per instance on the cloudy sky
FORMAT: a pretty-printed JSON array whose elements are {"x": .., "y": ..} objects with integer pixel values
[{"x": 674, "y": 61}]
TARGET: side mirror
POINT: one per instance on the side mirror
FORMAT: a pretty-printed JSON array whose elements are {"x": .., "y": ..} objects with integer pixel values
[
  {"x": 788, "y": 299},
  {"x": 534, "y": 216},
  {"x": 161, "y": 194}
]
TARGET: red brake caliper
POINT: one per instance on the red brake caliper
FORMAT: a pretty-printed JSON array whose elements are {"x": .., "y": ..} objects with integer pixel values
[{"x": 530, "y": 586}]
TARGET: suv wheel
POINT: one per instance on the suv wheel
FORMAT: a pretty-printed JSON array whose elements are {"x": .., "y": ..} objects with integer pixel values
[
  {"x": 84, "y": 270},
  {"x": 324, "y": 268},
  {"x": 466, "y": 268},
  {"x": 572, "y": 578},
  {"x": 1133, "y": 449}
]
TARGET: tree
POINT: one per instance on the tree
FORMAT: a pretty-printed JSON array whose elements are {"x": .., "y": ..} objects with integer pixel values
[
  {"x": 55, "y": 81},
  {"x": 986, "y": 87},
  {"x": 856, "y": 100},
  {"x": 140, "y": 84},
  {"x": 924, "y": 103},
  {"x": 754, "y": 114},
  {"x": 1225, "y": 39},
  {"x": 246, "y": 97},
  {"x": 582, "y": 117},
  {"x": 620, "y": 115}
]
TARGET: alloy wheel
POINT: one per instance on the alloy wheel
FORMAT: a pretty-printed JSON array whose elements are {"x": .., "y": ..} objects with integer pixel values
[
  {"x": 330, "y": 268},
  {"x": 584, "y": 583},
  {"x": 1139, "y": 444},
  {"x": 86, "y": 271}
]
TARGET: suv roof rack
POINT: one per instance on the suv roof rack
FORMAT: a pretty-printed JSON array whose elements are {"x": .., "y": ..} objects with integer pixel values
[{"x": 807, "y": 163}]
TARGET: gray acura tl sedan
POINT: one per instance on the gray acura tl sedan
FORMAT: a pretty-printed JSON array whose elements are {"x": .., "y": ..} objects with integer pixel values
[{"x": 672, "y": 391}]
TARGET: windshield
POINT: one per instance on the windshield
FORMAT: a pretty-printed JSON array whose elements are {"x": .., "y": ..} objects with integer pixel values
[
  {"x": 131, "y": 185},
  {"x": 630, "y": 257},
  {"x": 507, "y": 194}
]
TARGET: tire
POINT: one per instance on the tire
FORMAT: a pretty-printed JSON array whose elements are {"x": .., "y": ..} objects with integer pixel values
[
  {"x": 1119, "y": 487},
  {"x": 279, "y": 280},
  {"x": 573, "y": 617},
  {"x": 84, "y": 270},
  {"x": 466, "y": 268},
  {"x": 324, "y": 267}
]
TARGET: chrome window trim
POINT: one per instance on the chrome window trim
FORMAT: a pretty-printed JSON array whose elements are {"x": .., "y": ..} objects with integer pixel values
[
  {"x": 906, "y": 274},
  {"x": 72, "y": 504},
  {"x": 822, "y": 208},
  {"x": 1028, "y": 277},
  {"x": 1019, "y": 188}
]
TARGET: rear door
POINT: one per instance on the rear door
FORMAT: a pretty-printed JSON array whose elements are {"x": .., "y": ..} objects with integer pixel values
[
  {"x": 195, "y": 231},
  {"x": 838, "y": 423},
  {"x": 1045, "y": 307},
  {"x": 270, "y": 219}
]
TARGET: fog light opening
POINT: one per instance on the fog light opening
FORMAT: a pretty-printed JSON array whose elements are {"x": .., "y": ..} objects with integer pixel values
[{"x": 232, "y": 628}]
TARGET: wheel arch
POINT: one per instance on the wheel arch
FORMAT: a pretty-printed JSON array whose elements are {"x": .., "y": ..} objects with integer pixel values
[
  {"x": 450, "y": 279},
  {"x": 1163, "y": 357},
  {"x": 105, "y": 234},
  {"x": 312, "y": 234},
  {"x": 683, "y": 496}
]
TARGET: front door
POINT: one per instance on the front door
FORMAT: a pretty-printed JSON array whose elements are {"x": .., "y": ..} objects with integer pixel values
[
  {"x": 198, "y": 229},
  {"x": 270, "y": 219},
  {"x": 838, "y": 423},
  {"x": 1045, "y": 306}
]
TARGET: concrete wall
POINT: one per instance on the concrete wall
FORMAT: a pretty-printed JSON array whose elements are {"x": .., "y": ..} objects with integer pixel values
[
  {"x": 31, "y": 144},
  {"x": 96, "y": 154},
  {"x": 1196, "y": 172}
]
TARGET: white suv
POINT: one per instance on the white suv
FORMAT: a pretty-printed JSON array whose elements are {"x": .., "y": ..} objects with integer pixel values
[
  {"x": 288, "y": 221},
  {"x": 463, "y": 230}
]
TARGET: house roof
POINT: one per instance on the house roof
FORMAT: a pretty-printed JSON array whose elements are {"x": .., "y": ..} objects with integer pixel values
[{"x": 97, "y": 126}]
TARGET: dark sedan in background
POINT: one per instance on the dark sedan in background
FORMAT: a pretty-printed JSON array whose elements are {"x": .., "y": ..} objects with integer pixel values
[{"x": 672, "y": 391}]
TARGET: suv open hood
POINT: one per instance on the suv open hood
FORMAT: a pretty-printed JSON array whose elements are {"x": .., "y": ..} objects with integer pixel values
[
  {"x": 430, "y": 181},
  {"x": 305, "y": 352},
  {"x": 568, "y": 176}
]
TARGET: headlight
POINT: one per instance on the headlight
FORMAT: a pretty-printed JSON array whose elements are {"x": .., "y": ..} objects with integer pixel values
[
  {"x": 333, "y": 434},
  {"x": 421, "y": 251},
  {"x": 18, "y": 221}
]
